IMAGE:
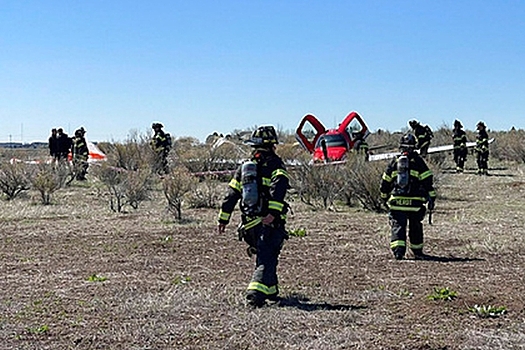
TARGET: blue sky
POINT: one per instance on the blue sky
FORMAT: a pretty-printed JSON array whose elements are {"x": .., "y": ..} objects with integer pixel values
[{"x": 202, "y": 66}]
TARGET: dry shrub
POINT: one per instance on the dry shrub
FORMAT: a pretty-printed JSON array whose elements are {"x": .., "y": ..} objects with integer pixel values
[
  {"x": 207, "y": 193},
  {"x": 383, "y": 140},
  {"x": 137, "y": 187},
  {"x": 14, "y": 179},
  {"x": 318, "y": 186},
  {"x": 175, "y": 185},
  {"x": 48, "y": 179},
  {"x": 362, "y": 182},
  {"x": 133, "y": 154},
  {"x": 508, "y": 146},
  {"x": 218, "y": 155},
  {"x": 125, "y": 187}
]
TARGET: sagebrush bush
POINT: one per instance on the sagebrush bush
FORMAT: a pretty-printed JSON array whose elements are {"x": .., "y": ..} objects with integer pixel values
[
  {"x": 219, "y": 155},
  {"x": 208, "y": 193},
  {"x": 14, "y": 179},
  {"x": 318, "y": 186},
  {"x": 133, "y": 154},
  {"x": 48, "y": 179},
  {"x": 508, "y": 146},
  {"x": 363, "y": 181},
  {"x": 125, "y": 187},
  {"x": 175, "y": 185}
]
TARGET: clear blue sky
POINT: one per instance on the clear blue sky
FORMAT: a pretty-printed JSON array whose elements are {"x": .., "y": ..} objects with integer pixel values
[{"x": 205, "y": 66}]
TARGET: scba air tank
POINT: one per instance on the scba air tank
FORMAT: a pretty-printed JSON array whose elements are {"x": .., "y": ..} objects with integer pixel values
[
  {"x": 250, "y": 192},
  {"x": 403, "y": 173}
]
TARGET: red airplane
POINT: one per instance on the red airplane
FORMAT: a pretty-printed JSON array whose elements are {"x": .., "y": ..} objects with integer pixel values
[{"x": 331, "y": 144}]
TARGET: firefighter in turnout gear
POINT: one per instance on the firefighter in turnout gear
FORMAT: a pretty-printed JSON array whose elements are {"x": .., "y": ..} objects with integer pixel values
[
  {"x": 405, "y": 187},
  {"x": 482, "y": 149},
  {"x": 460, "y": 146},
  {"x": 161, "y": 145},
  {"x": 260, "y": 185},
  {"x": 80, "y": 154},
  {"x": 423, "y": 135}
]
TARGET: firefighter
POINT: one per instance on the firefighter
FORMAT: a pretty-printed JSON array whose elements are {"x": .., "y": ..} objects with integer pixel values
[
  {"x": 360, "y": 145},
  {"x": 161, "y": 145},
  {"x": 53, "y": 144},
  {"x": 460, "y": 146},
  {"x": 64, "y": 143},
  {"x": 406, "y": 186},
  {"x": 260, "y": 185},
  {"x": 80, "y": 153},
  {"x": 482, "y": 148},
  {"x": 423, "y": 135}
]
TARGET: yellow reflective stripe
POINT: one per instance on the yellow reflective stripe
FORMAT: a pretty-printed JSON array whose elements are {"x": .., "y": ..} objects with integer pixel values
[
  {"x": 432, "y": 194},
  {"x": 409, "y": 198},
  {"x": 284, "y": 216},
  {"x": 236, "y": 185},
  {"x": 274, "y": 205},
  {"x": 386, "y": 177},
  {"x": 398, "y": 243},
  {"x": 266, "y": 181},
  {"x": 414, "y": 173},
  {"x": 416, "y": 246},
  {"x": 279, "y": 172},
  {"x": 425, "y": 174},
  {"x": 262, "y": 288},
  {"x": 224, "y": 216},
  {"x": 384, "y": 195},
  {"x": 252, "y": 223},
  {"x": 395, "y": 207}
]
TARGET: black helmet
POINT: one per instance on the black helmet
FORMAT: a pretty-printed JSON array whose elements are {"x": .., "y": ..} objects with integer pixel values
[
  {"x": 457, "y": 124},
  {"x": 407, "y": 142},
  {"x": 157, "y": 126},
  {"x": 413, "y": 123},
  {"x": 263, "y": 136},
  {"x": 481, "y": 125}
]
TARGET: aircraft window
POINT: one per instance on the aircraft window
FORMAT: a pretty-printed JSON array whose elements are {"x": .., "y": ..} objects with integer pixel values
[
  {"x": 336, "y": 140},
  {"x": 309, "y": 131}
]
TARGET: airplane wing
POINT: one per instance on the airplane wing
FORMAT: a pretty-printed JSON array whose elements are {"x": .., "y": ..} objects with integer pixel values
[
  {"x": 437, "y": 149},
  {"x": 451, "y": 147}
]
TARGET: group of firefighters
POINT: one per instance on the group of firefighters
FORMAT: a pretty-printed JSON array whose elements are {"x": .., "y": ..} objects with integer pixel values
[
  {"x": 60, "y": 145},
  {"x": 424, "y": 135},
  {"x": 260, "y": 185}
]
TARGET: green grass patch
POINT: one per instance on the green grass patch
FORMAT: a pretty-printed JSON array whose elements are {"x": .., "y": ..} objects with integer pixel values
[
  {"x": 442, "y": 294},
  {"x": 96, "y": 278},
  {"x": 298, "y": 232}
]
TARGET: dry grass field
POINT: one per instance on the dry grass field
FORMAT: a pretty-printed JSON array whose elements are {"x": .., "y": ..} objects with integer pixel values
[{"x": 75, "y": 275}]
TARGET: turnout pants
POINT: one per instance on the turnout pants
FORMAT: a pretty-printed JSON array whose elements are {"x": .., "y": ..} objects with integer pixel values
[
  {"x": 482, "y": 160},
  {"x": 269, "y": 243},
  {"x": 460, "y": 155},
  {"x": 399, "y": 222}
]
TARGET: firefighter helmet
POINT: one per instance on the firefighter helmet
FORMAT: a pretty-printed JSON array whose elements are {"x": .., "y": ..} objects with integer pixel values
[
  {"x": 407, "y": 142},
  {"x": 157, "y": 126},
  {"x": 480, "y": 125},
  {"x": 457, "y": 124},
  {"x": 263, "y": 136},
  {"x": 413, "y": 123}
]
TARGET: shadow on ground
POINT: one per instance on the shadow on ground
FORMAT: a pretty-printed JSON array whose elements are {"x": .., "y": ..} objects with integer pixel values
[
  {"x": 303, "y": 303},
  {"x": 448, "y": 258}
]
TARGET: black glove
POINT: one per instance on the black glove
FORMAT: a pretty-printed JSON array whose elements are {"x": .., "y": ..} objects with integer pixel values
[{"x": 431, "y": 204}]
